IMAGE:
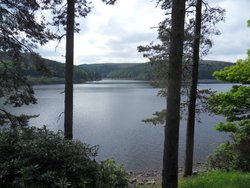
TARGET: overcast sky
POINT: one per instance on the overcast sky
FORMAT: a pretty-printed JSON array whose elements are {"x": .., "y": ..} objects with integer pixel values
[{"x": 111, "y": 34}]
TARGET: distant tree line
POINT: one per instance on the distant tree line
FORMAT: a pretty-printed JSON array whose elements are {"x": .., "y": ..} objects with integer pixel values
[
  {"x": 53, "y": 71},
  {"x": 147, "y": 71}
]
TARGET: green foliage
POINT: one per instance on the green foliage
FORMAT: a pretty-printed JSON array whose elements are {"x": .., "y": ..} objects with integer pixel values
[
  {"x": 223, "y": 158},
  {"x": 112, "y": 175},
  {"x": 15, "y": 91},
  {"x": 159, "y": 118},
  {"x": 217, "y": 179},
  {"x": 33, "y": 157},
  {"x": 7, "y": 118},
  {"x": 239, "y": 73},
  {"x": 22, "y": 29},
  {"x": 234, "y": 155},
  {"x": 234, "y": 104},
  {"x": 227, "y": 127},
  {"x": 242, "y": 141}
]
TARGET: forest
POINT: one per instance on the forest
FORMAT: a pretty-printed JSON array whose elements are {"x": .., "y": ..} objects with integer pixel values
[
  {"x": 35, "y": 156},
  {"x": 93, "y": 72},
  {"x": 53, "y": 72},
  {"x": 145, "y": 71}
]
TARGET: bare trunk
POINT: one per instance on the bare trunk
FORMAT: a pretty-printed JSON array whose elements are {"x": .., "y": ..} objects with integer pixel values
[
  {"x": 193, "y": 93},
  {"x": 68, "y": 112},
  {"x": 171, "y": 143}
]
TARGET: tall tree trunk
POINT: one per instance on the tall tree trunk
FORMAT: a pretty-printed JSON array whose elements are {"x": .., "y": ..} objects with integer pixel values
[
  {"x": 193, "y": 93},
  {"x": 68, "y": 112},
  {"x": 171, "y": 143}
]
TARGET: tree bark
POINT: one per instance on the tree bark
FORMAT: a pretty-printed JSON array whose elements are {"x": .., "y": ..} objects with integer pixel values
[
  {"x": 171, "y": 143},
  {"x": 193, "y": 93},
  {"x": 68, "y": 112}
]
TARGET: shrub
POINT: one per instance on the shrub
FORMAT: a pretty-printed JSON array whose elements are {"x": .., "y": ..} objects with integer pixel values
[
  {"x": 33, "y": 157},
  {"x": 112, "y": 175},
  {"x": 222, "y": 158},
  {"x": 234, "y": 155}
]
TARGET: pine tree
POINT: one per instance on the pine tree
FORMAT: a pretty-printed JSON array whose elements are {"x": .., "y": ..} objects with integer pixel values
[
  {"x": 171, "y": 143},
  {"x": 20, "y": 32}
]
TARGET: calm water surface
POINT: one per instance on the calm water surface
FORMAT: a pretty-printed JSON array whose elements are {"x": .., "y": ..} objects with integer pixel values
[{"x": 109, "y": 113}]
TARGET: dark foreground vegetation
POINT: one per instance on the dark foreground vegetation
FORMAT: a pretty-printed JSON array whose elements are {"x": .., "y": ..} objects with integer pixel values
[
  {"x": 33, "y": 157},
  {"x": 37, "y": 157}
]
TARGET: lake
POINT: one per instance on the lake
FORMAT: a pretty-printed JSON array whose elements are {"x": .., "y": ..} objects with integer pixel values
[{"x": 108, "y": 113}]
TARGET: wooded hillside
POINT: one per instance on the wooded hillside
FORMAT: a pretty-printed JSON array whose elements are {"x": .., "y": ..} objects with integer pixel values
[
  {"x": 144, "y": 71},
  {"x": 45, "y": 71}
]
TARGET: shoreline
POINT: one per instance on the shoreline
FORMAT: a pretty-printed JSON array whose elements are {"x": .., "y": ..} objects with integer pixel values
[{"x": 154, "y": 177}]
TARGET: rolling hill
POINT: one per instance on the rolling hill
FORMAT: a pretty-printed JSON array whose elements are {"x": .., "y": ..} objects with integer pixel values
[
  {"x": 52, "y": 72},
  {"x": 44, "y": 71},
  {"x": 144, "y": 71}
]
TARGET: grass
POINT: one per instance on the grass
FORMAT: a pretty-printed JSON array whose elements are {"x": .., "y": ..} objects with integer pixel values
[
  {"x": 214, "y": 179},
  {"x": 218, "y": 179}
]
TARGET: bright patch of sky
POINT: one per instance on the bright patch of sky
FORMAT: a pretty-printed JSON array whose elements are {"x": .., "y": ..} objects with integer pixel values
[{"x": 111, "y": 34}]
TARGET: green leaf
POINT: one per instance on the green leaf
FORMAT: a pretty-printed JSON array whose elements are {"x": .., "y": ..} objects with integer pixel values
[{"x": 227, "y": 127}]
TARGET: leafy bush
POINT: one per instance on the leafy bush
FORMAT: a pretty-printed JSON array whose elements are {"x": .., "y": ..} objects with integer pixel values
[
  {"x": 112, "y": 175},
  {"x": 222, "y": 158},
  {"x": 33, "y": 157},
  {"x": 234, "y": 155},
  {"x": 235, "y": 106}
]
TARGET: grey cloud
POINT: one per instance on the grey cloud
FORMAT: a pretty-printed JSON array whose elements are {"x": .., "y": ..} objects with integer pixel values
[
  {"x": 126, "y": 46},
  {"x": 132, "y": 39},
  {"x": 91, "y": 59},
  {"x": 233, "y": 42},
  {"x": 122, "y": 40},
  {"x": 114, "y": 27}
]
